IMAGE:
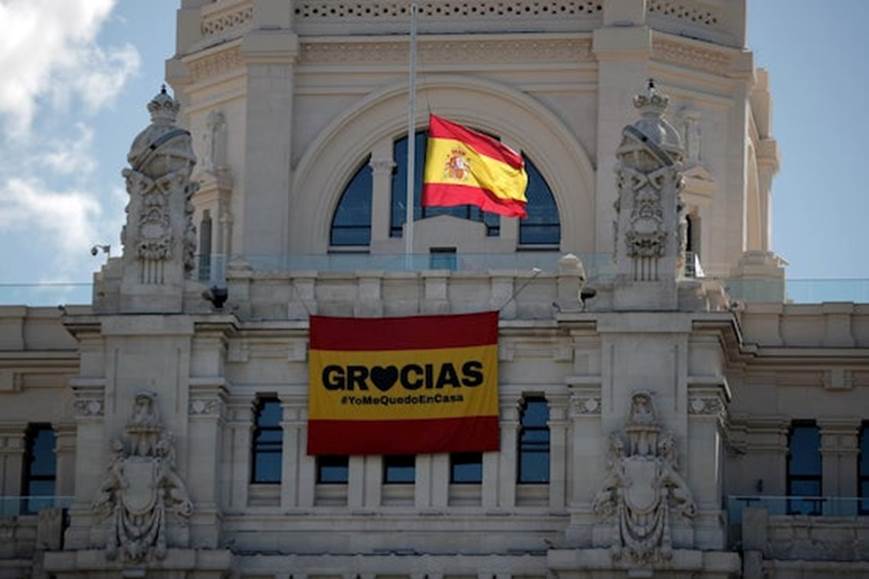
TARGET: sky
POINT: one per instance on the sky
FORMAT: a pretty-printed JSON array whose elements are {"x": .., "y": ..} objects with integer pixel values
[{"x": 77, "y": 75}]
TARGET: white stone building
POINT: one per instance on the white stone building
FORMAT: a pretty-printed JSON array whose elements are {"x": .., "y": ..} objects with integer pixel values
[{"x": 659, "y": 427}]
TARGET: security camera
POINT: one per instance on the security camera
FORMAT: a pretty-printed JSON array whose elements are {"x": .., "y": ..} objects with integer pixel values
[
  {"x": 94, "y": 250},
  {"x": 107, "y": 249}
]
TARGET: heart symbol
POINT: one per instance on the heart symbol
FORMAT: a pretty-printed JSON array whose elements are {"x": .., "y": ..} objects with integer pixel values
[{"x": 384, "y": 378}]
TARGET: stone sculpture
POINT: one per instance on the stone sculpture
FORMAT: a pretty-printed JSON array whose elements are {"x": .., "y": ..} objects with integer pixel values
[
  {"x": 643, "y": 489},
  {"x": 649, "y": 180},
  {"x": 160, "y": 214},
  {"x": 141, "y": 487}
]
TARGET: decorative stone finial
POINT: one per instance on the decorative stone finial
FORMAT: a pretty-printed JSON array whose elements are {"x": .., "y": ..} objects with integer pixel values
[
  {"x": 651, "y": 104},
  {"x": 163, "y": 108}
]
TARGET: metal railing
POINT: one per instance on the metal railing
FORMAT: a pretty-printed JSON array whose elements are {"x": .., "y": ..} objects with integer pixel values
[
  {"x": 797, "y": 505},
  {"x": 13, "y": 506}
]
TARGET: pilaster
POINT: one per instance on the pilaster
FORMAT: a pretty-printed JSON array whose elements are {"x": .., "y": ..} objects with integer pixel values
[
  {"x": 558, "y": 425},
  {"x": 839, "y": 452},
  {"x": 12, "y": 447},
  {"x": 507, "y": 463},
  {"x": 240, "y": 413},
  {"x": 293, "y": 406}
]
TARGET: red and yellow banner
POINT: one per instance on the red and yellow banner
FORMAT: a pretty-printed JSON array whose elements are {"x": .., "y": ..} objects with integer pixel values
[
  {"x": 409, "y": 385},
  {"x": 464, "y": 167}
]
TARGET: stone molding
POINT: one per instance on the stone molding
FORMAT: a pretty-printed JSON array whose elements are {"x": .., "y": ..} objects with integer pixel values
[
  {"x": 217, "y": 64},
  {"x": 227, "y": 20},
  {"x": 449, "y": 51},
  {"x": 691, "y": 56}
]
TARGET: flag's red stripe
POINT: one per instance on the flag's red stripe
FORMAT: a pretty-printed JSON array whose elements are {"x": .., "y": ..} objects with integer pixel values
[
  {"x": 448, "y": 195},
  {"x": 467, "y": 434},
  {"x": 482, "y": 144},
  {"x": 405, "y": 333}
]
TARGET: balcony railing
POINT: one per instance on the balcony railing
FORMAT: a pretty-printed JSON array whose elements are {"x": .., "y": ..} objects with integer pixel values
[
  {"x": 13, "y": 506},
  {"x": 797, "y": 505}
]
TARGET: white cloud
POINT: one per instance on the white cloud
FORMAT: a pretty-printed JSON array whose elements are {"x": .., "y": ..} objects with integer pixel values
[
  {"x": 69, "y": 218},
  {"x": 48, "y": 49},
  {"x": 73, "y": 157}
]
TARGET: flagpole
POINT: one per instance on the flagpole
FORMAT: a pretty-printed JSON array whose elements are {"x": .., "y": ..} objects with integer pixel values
[{"x": 411, "y": 141}]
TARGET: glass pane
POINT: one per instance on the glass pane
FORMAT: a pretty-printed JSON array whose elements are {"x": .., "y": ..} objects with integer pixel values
[
  {"x": 351, "y": 224},
  {"x": 466, "y": 468},
  {"x": 399, "y": 181},
  {"x": 805, "y": 455},
  {"x": 268, "y": 413},
  {"x": 536, "y": 412},
  {"x": 332, "y": 469},
  {"x": 534, "y": 467},
  {"x": 41, "y": 452},
  {"x": 864, "y": 451},
  {"x": 398, "y": 469},
  {"x": 267, "y": 467},
  {"x": 542, "y": 226}
]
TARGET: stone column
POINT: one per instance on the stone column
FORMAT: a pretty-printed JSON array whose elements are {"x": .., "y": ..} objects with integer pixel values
[
  {"x": 91, "y": 449},
  {"x": 558, "y": 424},
  {"x": 381, "y": 165},
  {"x": 270, "y": 51},
  {"x": 12, "y": 447},
  {"x": 207, "y": 414},
  {"x": 293, "y": 406},
  {"x": 622, "y": 48},
  {"x": 237, "y": 465},
  {"x": 65, "y": 453},
  {"x": 839, "y": 453},
  {"x": 507, "y": 463},
  {"x": 704, "y": 457},
  {"x": 307, "y": 464}
]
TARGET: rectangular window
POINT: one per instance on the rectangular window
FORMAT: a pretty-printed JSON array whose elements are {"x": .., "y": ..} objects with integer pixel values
[
  {"x": 268, "y": 438},
  {"x": 804, "y": 469},
  {"x": 399, "y": 469},
  {"x": 466, "y": 468},
  {"x": 40, "y": 468},
  {"x": 443, "y": 258},
  {"x": 534, "y": 442},
  {"x": 332, "y": 470},
  {"x": 863, "y": 470}
]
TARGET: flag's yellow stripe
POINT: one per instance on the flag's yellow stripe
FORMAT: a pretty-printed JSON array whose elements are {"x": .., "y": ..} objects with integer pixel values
[{"x": 495, "y": 176}]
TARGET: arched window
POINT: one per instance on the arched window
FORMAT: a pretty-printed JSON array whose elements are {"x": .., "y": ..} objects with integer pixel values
[
  {"x": 268, "y": 441},
  {"x": 533, "y": 441},
  {"x": 351, "y": 224}
]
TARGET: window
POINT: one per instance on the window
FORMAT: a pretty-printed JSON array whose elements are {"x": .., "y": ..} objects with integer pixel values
[
  {"x": 443, "y": 258},
  {"x": 332, "y": 470},
  {"x": 205, "y": 246},
  {"x": 40, "y": 467},
  {"x": 267, "y": 442},
  {"x": 466, "y": 468},
  {"x": 863, "y": 470},
  {"x": 542, "y": 226},
  {"x": 534, "y": 441},
  {"x": 399, "y": 469},
  {"x": 351, "y": 224},
  {"x": 804, "y": 468}
]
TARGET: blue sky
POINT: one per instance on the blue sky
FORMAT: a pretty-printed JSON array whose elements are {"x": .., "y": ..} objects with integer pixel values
[{"x": 78, "y": 73}]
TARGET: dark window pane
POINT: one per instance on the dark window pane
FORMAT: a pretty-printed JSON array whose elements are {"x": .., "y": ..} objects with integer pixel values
[
  {"x": 534, "y": 441},
  {"x": 443, "y": 258},
  {"x": 805, "y": 455},
  {"x": 534, "y": 467},
  {"x": 332, "y": 469},
  {"x": 351, "y": 224},
  {"x": 267, "y": 442},
  {"x": 864, "y": 451},
  {"x": 466, "y": 467},
  {"x": 42, "y": 457},
  {"x": 399, "y": 469},
  {"x": 542, "y": 226}
]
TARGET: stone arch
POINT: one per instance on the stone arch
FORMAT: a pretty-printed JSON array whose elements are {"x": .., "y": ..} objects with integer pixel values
[{"x": 332, "y": 157}]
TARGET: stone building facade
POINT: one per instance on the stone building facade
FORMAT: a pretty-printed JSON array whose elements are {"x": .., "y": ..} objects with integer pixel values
[{"x": 663, "y": 410}]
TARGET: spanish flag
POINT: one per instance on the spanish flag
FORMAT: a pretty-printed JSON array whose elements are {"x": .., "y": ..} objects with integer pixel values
[
  {"x": 464, "y": 167},
  {"x": 403, "y": 385}
]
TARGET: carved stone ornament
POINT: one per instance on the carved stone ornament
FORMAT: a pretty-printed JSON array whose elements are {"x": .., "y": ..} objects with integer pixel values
[
  {"x": 161, "y": 160},
  {"x": 643, "y": 490},
  {"x": 141, "y": 487}
]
